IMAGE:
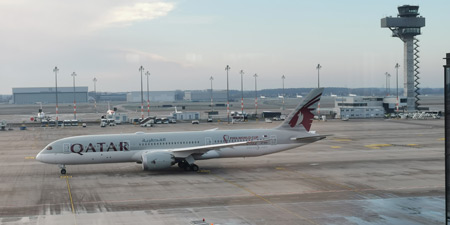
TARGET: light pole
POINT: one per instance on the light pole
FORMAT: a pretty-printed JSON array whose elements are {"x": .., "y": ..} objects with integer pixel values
[
  {"x": 242, "y": 92},
  {"x": 142, "y": 94},
  {"x": 95, "y": 94},
  {"x": 396, "y": 75},
  {"x": 74, "y": 97},
  {"x": 227, "y": 68},
  {"x": 211, "y": 79},
  {"x": 148, "y": 94},
  {"x": 256, "y": 96},
  {"x": 318, "y": 67},
  {"x": 56, "y": 92},
  {"x": 282, "y": 78}
]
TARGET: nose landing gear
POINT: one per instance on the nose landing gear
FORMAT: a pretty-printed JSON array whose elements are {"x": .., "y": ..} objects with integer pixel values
[{"x": 63, "y": 168}]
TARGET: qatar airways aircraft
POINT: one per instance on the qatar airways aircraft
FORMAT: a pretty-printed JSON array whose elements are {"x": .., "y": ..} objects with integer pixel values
[{"x": 162, "y": 150}]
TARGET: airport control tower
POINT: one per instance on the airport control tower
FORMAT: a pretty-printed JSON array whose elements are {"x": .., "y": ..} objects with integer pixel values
[{"x": 406, "y": 26}]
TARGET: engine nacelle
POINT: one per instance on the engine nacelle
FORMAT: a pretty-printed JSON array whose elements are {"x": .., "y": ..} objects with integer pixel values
[{"x": 157, "y": 160}]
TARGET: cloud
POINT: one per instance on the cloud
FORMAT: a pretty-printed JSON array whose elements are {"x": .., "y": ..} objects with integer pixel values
[
  {"x": 136, "y": 56},
  {"x": 126, "y": 15}
]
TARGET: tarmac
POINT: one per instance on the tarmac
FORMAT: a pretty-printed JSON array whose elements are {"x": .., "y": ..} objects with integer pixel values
[{"x": 373, "y": 171}]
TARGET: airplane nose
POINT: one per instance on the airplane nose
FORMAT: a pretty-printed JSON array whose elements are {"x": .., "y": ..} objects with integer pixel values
[{"x": 39, "y": 157}]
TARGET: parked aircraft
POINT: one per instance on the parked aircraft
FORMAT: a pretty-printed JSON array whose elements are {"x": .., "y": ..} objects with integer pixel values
[
  {"x": 163, "y": 150},
  {"x": 41, "y": 116}
]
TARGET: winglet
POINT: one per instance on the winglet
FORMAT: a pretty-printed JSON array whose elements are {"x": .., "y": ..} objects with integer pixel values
[{"x": 302, "y": 116}]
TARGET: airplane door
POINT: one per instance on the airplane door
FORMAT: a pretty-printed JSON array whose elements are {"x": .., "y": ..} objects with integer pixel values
[
  {"x": 66, "y": 148},
  {"x": 273, "y": 139},
  {"x": 208, "y": 141}
]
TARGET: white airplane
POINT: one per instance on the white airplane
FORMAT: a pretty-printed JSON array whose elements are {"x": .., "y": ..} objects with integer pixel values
[
  {"x": 40, "y": 115},
  {"x": 162, "y": 150},
  {"x": 298, "y": 96}
]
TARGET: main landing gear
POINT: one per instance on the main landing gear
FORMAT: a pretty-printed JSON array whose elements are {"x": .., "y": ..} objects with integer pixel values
[
  {"x": 63, "y": 168},
  {"x": 188, "y": 167}
]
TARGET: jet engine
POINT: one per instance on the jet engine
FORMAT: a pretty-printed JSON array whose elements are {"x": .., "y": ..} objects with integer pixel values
[{"x": 157, "y": 160}]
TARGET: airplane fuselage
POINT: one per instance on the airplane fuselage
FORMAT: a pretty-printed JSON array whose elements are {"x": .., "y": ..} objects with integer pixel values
[{"x": 129, "y": 147}]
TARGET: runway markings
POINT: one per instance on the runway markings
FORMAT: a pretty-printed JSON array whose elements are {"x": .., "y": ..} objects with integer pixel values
[
  {"x": 266, "y": 200},
  {"x": 279, "y": 168},
  {"x": 70, "y": 193},
  {"x": 412, "y": 145},
  {"x": 70, "y": 196},
  {"x": 441, "y": 139},
  {"x": 204, "y": 171},
  {"x": 341, "y": 139},
  {"x": 208, "y": 198},
  {"x": 377, "y": 146},
  {"x": 29, "y": 157},
  {"x": 335, "y": 147}
]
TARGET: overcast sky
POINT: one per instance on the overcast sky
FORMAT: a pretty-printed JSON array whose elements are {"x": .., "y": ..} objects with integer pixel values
[{"x": 182, "y": 43}]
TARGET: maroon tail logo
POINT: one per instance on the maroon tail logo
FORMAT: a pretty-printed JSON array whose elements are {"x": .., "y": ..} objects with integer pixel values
[{"x": 304, "y": 115}]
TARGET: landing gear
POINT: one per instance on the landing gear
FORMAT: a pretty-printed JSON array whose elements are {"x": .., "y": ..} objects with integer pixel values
[
  {"x": 188, "y": 167},
  {"x": 194, "y": 167},
  {"x": 63, "y": 168}
]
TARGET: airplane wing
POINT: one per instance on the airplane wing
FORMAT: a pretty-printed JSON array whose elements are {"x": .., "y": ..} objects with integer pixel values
[{"x": 185, "y": 152}]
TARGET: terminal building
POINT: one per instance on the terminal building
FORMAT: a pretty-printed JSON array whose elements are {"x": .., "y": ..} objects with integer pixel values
[
  {"x": 205, "y": 96},
  {"x": 154, "y": 96},
  {"x": 359, "y": 107},
  {"x": 31, "y": 95}
]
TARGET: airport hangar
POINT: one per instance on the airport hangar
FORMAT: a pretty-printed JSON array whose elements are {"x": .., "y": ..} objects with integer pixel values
[
  {"x": 31, "y": 95},
  {"x": 171, "y": 96}
]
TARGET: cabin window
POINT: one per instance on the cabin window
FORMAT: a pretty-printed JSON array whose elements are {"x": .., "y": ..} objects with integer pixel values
[{"x": 49, "y": 148}]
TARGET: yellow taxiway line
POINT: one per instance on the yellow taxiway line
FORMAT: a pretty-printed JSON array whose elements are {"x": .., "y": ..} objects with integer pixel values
[{"x": 70, "y": 196}]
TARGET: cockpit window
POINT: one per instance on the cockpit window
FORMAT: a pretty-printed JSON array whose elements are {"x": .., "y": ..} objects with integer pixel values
[{"x": 49, "y": 147}]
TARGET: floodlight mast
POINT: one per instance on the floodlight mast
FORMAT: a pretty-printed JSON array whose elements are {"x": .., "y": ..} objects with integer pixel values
[
  {"x": 148, "y": 94},
  {"x": 212, "y": 106},
  {"x": 227, "y": 68},
  {"x": 242, "y": 92},
  {"x": 406, "y": 26},
  {"x": 56, "y": 92},
  {"x": 74, "y": 97},
  {"x": 141, "y": 69},
  {"x": 318, "y": 67},
  {"x": 256, "y": 96}
]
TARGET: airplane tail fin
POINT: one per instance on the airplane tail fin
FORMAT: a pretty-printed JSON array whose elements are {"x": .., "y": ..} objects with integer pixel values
[{"x": 301, "y": 116}]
